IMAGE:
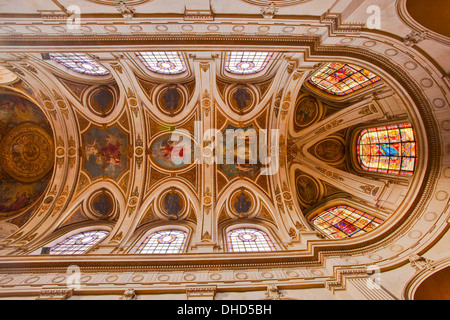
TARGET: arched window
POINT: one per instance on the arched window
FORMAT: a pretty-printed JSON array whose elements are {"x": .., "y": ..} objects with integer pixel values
[
  {"x": 247, "y": 62},
  {"x": 79, "y": 62},
  {"x": 342, "y": 79},
  {"x": 79, "y": 243},
  {"x": 248, "y": 240},
  {"x": 167, "y": 241},
  {"x": 163, "y": 62},
  {"x": 344, "y": 222},
  {"x": 390, "y": 149}
]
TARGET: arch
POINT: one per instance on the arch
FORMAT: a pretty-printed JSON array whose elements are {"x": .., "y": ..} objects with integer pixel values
[
  {"x": 431, "y": 280},
  {"x": 388, "y": 149},
  {"x": 248, "y": 239},
  {"x": 80, "y": 62},
  {"x": 80, "y": 242},
  {"x": 246, "y": 62},
  {"x": 341, "y": 79},
  {"x": 435, "y": 287},
  {"x": 431, "y": 16},
  {"x": 163, "y": 62},
  {"x": 343, "y": 221}
]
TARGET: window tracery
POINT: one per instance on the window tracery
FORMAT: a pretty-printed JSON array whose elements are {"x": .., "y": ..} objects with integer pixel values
[
  {"x": 248, "y": 240},
  {"x": 246, "y": 62},
  {"x": 343, "y": 222},
  {"x": 79, "y": 243},
  {"x": 342, "y": 79},
  {"x": 163, "y": 242},
  {"x": 163, "y": 62},
  {"x": 388, "y": 149},
  {"x": 79, "y": 62}
]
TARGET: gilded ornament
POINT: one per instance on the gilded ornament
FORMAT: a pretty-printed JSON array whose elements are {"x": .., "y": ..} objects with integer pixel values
[{"x": 27, "y": 153}]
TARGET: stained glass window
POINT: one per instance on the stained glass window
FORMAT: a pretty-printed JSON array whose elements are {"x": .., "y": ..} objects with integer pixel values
[
  {"x": 163, "y": 62},
  {"x": 248, "y": 240},
  {"x": 167, "y": 241},
  {"x": 343, "y": 222},
  {"x": 79, "y": 62},
  {"x": 247, "y": 62},
  {"x": 390, "y": 149},
  {"x": 341, "y": 79},
  {"x": 79, "y": 243}
]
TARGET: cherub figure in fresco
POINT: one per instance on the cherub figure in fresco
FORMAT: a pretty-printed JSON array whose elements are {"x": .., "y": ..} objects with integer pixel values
[
  {"x": 92, "y": 149},
  {"x": 104, "y": 152},
  {"x": 167, "y": 148},
  {"x": 108, "y": 156}
]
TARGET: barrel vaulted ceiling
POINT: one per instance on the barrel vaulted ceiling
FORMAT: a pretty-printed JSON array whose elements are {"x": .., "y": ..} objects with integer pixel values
[{"x": 103, "y": 137}]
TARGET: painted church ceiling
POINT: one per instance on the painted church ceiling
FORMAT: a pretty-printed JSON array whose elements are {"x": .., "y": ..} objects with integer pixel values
[{"x": 157, "y": 145}]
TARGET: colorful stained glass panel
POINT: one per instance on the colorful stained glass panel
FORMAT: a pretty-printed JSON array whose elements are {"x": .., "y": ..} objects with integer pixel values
[
  {"x": 390, "y": 149},
  {"x": 344, "y": 221},
  {"x": 342, "y": 79}
]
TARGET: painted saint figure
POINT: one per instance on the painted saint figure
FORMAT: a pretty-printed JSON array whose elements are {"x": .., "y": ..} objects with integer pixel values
[
  {"x": 105, "y": 152},
  {"x": 172, "y": 205},
  {"x": 242, "y": 97},
  {"x": 242, "y": 205},
  {"x": 171, "y": 98}
]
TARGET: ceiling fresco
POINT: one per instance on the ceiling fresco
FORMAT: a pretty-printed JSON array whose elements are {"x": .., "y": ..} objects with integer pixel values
[
  {"x": 26, "y": 153},
  {"x": 263, "y": 159},
  {"x": 202, "y": 146},
  {"x": 193, "y": 140}
]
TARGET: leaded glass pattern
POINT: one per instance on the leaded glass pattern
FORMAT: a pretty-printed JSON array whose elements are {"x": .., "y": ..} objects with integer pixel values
[
  {"x": 344, "y": 222},
  {"x": 162, "y": 242},
  {"x": 80, "y": 62},
  {"x": 389, "y": 149},
  {"x": 342, "y": 79},
  {"x": 163, "y": 62},
  {"x": 247, "y": 62},
  {"x": 79, "y": 243},
  {"x": 248, "y": 240}
]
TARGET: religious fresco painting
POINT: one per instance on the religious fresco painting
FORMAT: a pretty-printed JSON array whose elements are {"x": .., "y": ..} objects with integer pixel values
[
  {"x": 102, "y": 204},
  {"x": 171, "y": 99},
  {"x": 330, "y": 150},
  {"x": 105, "y": 152},
  {"x": 164, "y": 151},
  {"x": 16, "y": 196},
  {"x": 173, "y": 204},
  {"x": 241, "y": 151},
  {"x": 307, "y": 190},
  {"x": 101, "y": 101},
  {"x": 242, "y": 204},
  {"x": 306, "y": 112},
  {"x": 26, "y": 154},
  {"x": 241, "y": 98},
  {"x": 15, "y": 110}
]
